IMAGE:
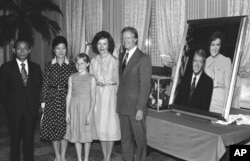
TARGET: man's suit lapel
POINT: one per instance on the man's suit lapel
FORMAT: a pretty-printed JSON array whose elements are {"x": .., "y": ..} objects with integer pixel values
[
  {"x": 131, "y": 61},
  {"x": 17, "y": 71},
  {"x": 120, "y": 63},
  {"x": 188, "y": 84},
  {"x": 30, "y": 74}
]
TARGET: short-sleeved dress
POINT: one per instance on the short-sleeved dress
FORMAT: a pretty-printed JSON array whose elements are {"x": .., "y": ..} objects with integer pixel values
[
  {"x": 54, "y": 92},
  {"x": 105, "y": 71},
  {"x": 79, "y": 107}
]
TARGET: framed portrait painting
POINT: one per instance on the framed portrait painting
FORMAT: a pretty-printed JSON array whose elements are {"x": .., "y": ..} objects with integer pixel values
[{"x": 207, "y": 67}]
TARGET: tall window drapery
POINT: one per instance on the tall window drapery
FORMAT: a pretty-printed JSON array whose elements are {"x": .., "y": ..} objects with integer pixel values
[
  {"x": 75, "y": 27},
  {"x": 237, "y": 8},
  {"x": 137, "y": 14},
  {"x": 170, "y": 16},
  {"x": 94, "y": 16},
  {"x": 84, "y": 19}
]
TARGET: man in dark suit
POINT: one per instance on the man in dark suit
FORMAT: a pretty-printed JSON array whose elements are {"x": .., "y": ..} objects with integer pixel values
[
  {"x": 133, "y": 91},
  {"x": 195, "y": 89},
  {"x": 20, "y": 85}
]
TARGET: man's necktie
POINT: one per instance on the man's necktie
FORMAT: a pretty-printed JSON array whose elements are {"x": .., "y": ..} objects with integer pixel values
[
  {"x": 192, "y": 86},
  {"x": 124, "y": 62},
  {"x": 24, "y": 74}
]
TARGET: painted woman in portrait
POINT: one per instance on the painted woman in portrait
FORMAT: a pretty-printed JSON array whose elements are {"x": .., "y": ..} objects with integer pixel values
[{"x": 218, "y": 67}]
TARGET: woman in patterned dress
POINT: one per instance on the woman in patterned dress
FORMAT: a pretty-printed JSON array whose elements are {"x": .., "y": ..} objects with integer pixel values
[
  {"x": 104, "y": 67},
  {"x": 53, "y": 97}
]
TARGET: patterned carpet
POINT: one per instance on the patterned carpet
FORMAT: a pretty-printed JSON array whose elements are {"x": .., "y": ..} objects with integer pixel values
[{"x": 44, "y": 151}]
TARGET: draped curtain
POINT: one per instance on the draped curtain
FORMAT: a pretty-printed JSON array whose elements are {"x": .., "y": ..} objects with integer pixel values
[
  {"x": 83, "y": 20},
  {"x": 170, "y": 16},
  {"x": 94, "y": 16},
  {"x": 75, "y": 27},
  {"x": 237, "y": 8},
  {"x": 137, "y": 14}
]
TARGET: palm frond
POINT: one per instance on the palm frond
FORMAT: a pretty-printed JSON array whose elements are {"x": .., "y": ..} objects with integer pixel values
[
  {"x": 22, "y": 17},
  {"x": 8, "y": 5},
  {"x": 45, "y": 26},
  {"x": 25, "y": 31},
  {"x": 45, "y": 5},
  {"x": 8, "y": 28}
]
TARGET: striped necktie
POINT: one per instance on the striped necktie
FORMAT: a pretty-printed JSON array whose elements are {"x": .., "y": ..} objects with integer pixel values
[
  {"x": 24, "y": 74},
  {"x": 124, "y": 62}
]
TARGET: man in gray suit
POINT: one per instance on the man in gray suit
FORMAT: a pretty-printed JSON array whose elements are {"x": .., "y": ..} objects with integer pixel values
[{"x": 133, "y": 91}]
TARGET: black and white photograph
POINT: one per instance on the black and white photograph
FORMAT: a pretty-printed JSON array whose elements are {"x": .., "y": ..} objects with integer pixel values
[{"x": 124, "y": 80}]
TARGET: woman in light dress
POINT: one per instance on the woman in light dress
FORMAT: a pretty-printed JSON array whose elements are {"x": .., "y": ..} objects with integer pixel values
[
  {"x": 218, "y": 67},
  {"x": 104, "y": 67}
]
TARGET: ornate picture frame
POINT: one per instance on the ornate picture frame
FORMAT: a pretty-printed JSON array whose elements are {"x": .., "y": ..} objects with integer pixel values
[{"x": 197, "y": 35}]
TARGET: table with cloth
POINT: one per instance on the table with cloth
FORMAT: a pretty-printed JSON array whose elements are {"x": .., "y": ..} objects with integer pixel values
[{"x": 192, "y": 138}]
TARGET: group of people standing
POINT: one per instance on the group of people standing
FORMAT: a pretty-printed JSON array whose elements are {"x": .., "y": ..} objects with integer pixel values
[{"x": 100, "y": 99}]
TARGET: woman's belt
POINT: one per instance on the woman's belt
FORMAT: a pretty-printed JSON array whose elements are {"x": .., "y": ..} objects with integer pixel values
[
  {"x": 59, "y": 87},
  {"x": 103, "y": 85}
]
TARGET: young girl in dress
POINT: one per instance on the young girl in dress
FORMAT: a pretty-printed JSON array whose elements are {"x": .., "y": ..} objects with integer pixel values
[{"x": 80, "y": 103}]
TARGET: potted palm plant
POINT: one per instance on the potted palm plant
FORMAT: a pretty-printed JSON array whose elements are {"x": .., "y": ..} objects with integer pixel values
[{"x": 22, "y": 18}]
